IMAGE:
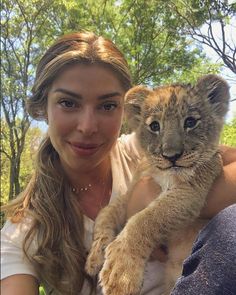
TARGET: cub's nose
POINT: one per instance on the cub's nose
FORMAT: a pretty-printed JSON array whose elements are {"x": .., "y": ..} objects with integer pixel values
[{"x": 172, "y": 158}]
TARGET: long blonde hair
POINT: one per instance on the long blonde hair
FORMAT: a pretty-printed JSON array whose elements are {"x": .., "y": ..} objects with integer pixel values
[{"x": 57, "y": 223}]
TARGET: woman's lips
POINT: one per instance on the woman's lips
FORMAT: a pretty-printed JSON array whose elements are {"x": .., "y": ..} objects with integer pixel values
[{"x": 84, "y": 149}]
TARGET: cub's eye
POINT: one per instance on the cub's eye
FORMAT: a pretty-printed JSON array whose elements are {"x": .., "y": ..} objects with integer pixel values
[
  {"x": 154, "y": 126},
  {"x": 190, "y": 122}
]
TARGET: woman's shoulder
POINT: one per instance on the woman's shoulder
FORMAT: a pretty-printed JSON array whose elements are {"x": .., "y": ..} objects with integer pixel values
[
  {"x": 22, "y": 225},
  {"x": 13, "y": 260},
  {"x": 15, "y": 231}
]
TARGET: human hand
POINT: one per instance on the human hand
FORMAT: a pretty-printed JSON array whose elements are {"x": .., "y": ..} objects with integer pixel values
[
  {"x": 143, "y": 193},
  {"x": 223, "y": 191},
  {"x": 228, "y": 154}
]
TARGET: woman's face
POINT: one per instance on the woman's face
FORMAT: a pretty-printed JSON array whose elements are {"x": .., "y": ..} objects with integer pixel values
[{"x": 85, "y": 110}]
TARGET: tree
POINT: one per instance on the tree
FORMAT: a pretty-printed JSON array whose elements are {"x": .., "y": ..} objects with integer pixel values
[
  {"x": 24, "y": 35},
  {"x": 228, "y": 136},
  {"x": 32, "y": 139},
  {"x": 148, "y": 34},
  {"x": 199, "y": 19}
]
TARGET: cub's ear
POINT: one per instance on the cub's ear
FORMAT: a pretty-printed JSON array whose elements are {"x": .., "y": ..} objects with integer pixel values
[
  {"x": 216, "y": 90},
  {"x": 133, "y": 104}
]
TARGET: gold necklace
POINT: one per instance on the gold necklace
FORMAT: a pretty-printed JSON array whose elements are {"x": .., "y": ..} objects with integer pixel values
[
  {"x": 81, "y": 189},
  {"x": 88, "y": 187}
]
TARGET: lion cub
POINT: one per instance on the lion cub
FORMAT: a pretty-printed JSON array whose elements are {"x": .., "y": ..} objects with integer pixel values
[{"x": 178, "y": 129}]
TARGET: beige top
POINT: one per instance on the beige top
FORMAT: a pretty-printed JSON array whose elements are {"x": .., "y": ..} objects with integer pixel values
[{"x": 124, "y": 158}]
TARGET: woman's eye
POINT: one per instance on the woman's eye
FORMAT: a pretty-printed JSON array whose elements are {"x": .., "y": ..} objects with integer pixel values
[
  {"x": 67, "y": 103},
  {"x": 109, "y": 106},
  {"x": 155, "y": 126},
  {"x": 190, "y": 122}
]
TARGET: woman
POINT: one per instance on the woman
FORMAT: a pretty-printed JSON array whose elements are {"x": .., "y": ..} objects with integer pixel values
[{"x": 81, "y": 165}]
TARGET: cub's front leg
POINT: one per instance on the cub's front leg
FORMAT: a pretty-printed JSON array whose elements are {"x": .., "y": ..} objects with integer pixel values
[
  {"x": 122, "y": 272},
  {"x": 108, "y": 223},
  {"x": 126, "y": 256}
]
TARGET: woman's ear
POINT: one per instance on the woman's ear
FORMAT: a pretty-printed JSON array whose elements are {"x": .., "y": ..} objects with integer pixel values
[{"x": 134, "y": 99}]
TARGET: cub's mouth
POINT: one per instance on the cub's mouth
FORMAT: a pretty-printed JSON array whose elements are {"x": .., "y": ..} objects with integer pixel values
[
  {"x": 181, "y": 164},
  {"x": 177, "y": 169},
  {"x": 173, "y": 167}
]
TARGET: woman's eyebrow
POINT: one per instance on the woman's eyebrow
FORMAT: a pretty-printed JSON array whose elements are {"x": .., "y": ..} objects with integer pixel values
[
  {"x": 109, "y": 95},
  {"x": 78, "y": 96},
  {"x": 68, "y": 92}
]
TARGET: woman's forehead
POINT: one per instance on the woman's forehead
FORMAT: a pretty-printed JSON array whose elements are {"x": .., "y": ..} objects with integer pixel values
[{"x": 82, "y": 75}]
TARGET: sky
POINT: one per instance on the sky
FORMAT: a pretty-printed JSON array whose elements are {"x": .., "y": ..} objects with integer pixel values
[{"x": 227, "y": 74}]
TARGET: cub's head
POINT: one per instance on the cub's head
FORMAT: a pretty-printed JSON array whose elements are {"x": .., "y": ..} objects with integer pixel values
[{"x": 179, "y": 125}]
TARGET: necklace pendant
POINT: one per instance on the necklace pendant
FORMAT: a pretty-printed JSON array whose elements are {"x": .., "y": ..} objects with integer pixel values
[{"x": 82, "y": 189}]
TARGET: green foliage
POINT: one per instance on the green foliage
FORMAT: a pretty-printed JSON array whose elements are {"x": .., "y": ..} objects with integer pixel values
[
  {"x": 41, "y": 291},
  {"x": 228, "y": 136},
  {"x": 146, "y": 31},
  {"x": 33, "y": 137}
]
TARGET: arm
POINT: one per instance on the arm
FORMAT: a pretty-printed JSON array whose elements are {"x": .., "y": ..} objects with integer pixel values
[
  {"x": 17, "y": 273},
  {"x": 221, "y": 195},
  {"x": 126, "y": 256},
  {"x": 108, "y": 222},
  {"x": 228, "y": 154},
  {"x": 20, "y": 285},
  {"x": 144, "y": 192},
  {"x": 214, "y": 252},
  {"x": 223, "y": 191}
]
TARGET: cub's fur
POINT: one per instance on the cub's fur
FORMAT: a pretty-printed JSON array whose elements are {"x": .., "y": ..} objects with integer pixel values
[{"x": 178, "y": 129}]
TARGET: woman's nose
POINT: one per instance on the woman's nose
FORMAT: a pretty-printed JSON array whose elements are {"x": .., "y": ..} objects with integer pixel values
[{"x": 87, "y": 123}]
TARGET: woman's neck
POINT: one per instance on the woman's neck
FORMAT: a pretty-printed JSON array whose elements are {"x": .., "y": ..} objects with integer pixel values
[
  {"x": 89, "y": 177},
  {"x": 92, "y": 187},
  {"x": 91, "y": 201}
]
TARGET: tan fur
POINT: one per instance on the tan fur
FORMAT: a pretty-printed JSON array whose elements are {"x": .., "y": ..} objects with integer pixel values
[{"x": 178, "y": 129}]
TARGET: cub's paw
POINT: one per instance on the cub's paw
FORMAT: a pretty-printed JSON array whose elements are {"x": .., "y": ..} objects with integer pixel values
[
  {"x": 95, "y": 258},
  {"x": 122, "y": 272}
]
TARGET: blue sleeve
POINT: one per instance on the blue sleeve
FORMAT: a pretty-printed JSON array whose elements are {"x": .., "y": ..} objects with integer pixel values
[{"x": 211, "y": 268}]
